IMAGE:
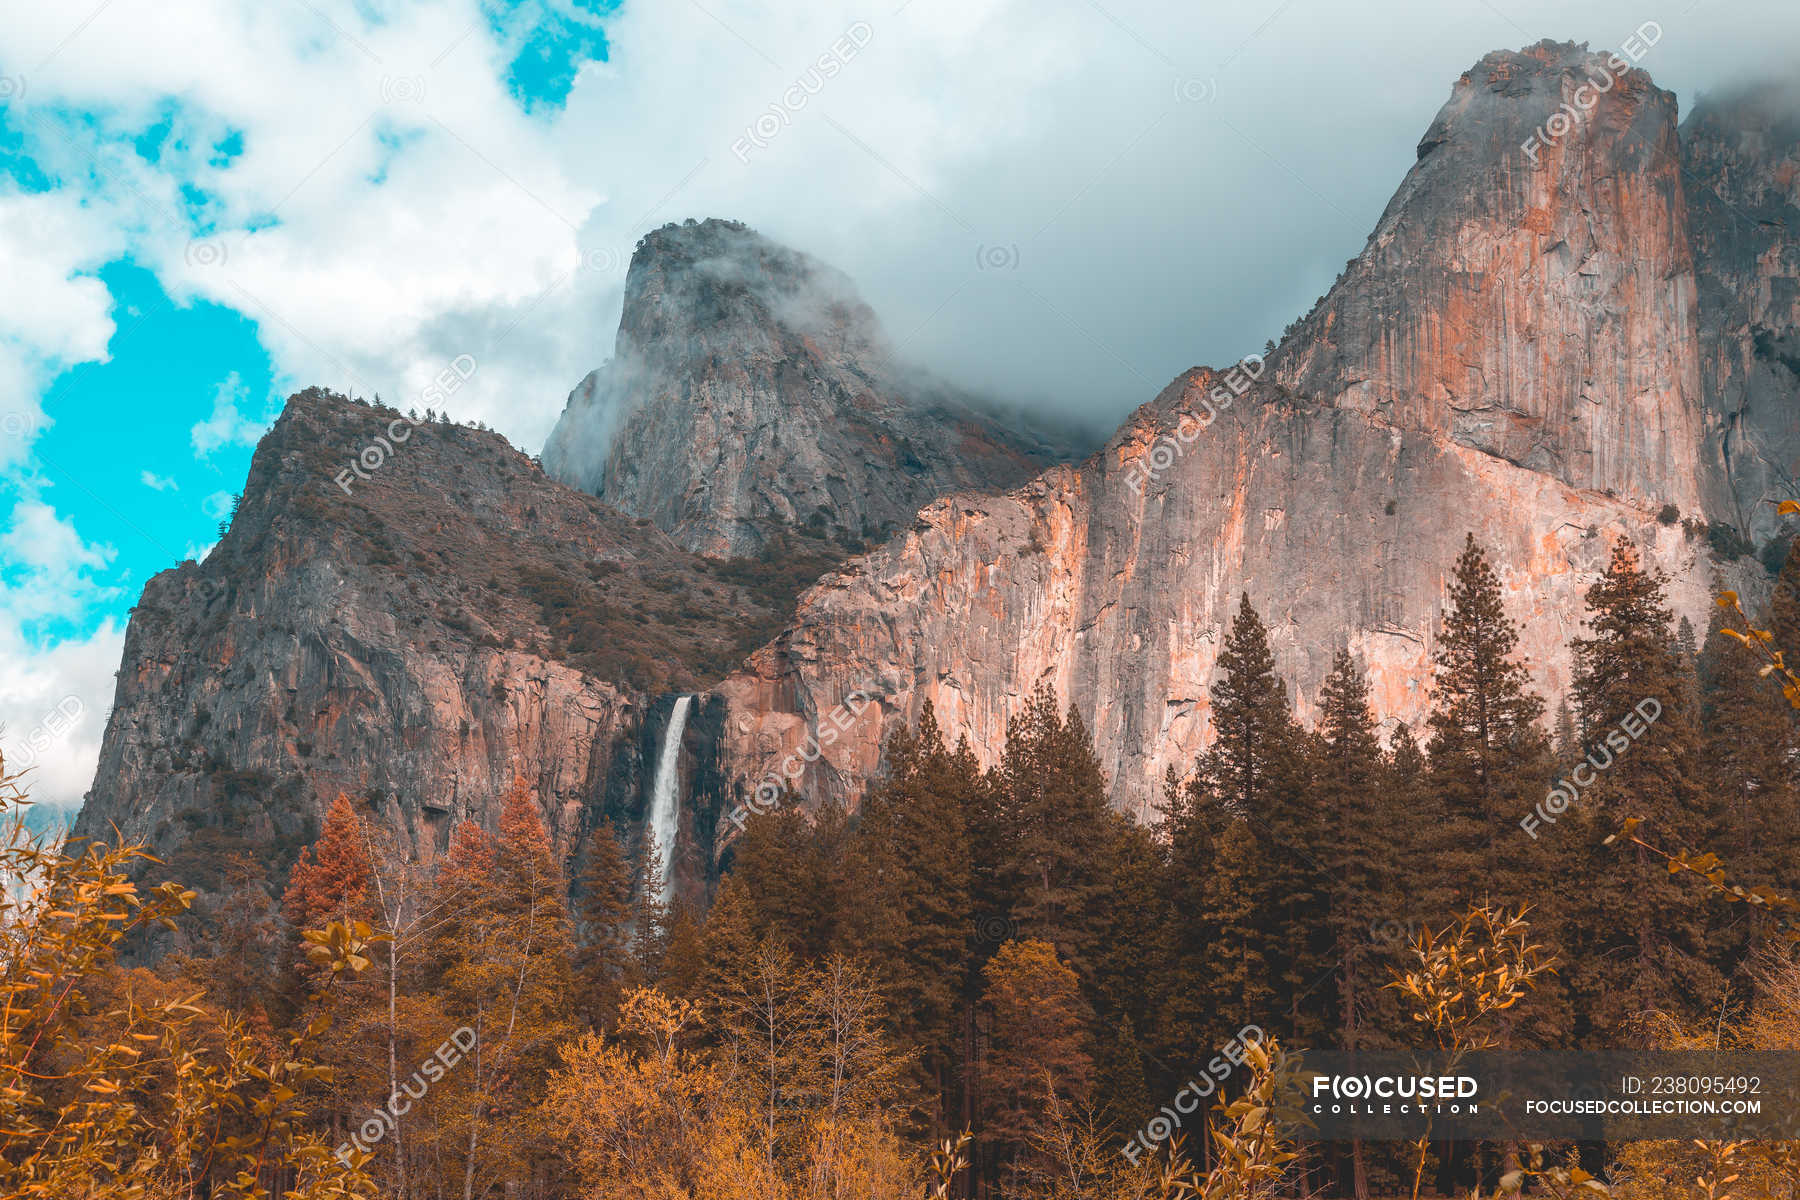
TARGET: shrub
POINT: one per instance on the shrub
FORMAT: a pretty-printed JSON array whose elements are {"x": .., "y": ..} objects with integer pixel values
[{"x": 1727, "y": 542}]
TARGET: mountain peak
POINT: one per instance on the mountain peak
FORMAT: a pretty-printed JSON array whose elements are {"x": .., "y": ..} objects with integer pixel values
[
  {"x": 752, "y": 391},
  {"x": 719, "y": 282},
  {"x": 1517, "y": 295}
]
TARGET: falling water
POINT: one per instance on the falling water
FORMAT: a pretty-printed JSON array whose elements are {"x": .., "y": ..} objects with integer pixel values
[{"x": 665, "y": 796}]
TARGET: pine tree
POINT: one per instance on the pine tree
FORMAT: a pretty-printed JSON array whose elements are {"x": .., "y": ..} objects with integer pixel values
[
  {"x": 1349, "y": 779},
  {"x": 1640, "y": 943},
  {"x": 912, "y": 909},
  {"x": 649, "y": 919},
  {"x": 330, "y": 881},
  {"x": 241, "y": 976},
  {"x": 1687, "y": 665},
  {"x": 1684, "y": 641},
  {"x": 1567, "y": 741},
  {"x": 1122, "y": 1092},
  {"x": 794, "y": 870},
  {"x": 1412, "y": 794},
  {"x": 1131, "y": 961},
  {"x": 1264, "y": 896},
  {"x": 990, "y": 907},
  {"x": 1253, "y": 765},
  {"x": 728, "y": 939},
  {"x": 1784, "y": 607},
  {"x": 1748, "y": 751},
  {"x": 604, "y": 964},
  {"x": 1489, "y": 758},
  {"x": 1349, "y": 791},
  {"x": 684, "y": 962},
  {"x": 1052, "y": 796},
  {"x": 1194, "y": 828}
]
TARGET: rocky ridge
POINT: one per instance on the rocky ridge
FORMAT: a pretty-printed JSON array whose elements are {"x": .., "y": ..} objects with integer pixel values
[
  {"x": 752, "y": 391},
  {"x": 395, "y": 638}
]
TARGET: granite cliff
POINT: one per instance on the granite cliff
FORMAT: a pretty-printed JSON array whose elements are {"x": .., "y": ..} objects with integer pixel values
[
  {"x": 752, "y": 390},
  {"x": 1548, "y": 341},
  {"x": 1529, "y": 295},
  {"x": 1741, "y": 159},
  {"x": 417, "y": 636}
]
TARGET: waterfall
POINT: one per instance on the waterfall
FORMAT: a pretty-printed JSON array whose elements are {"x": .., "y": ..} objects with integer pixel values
[{"x": 665, "y": 794}]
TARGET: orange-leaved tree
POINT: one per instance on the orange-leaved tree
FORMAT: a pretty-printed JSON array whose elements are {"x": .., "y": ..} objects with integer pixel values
[
  {"x": 500, "y": 968},
  {"x": 106, "y": 1094},
  {"x": 1037, "y": 1046}
]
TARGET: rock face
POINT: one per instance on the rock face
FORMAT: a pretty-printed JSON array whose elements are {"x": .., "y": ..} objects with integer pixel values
[
  {"x": 1529, "y": 295},
  {"x": 407, "y": 644},
  {"x": 1118, "y": 592},
  {"x": 1741, "y": 155},
  {"x": 752, "y": 390},
  {"x": 1548, "y": 342}
]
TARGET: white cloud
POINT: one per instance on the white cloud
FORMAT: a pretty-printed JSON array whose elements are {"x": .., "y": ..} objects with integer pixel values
[
  {"x": 51, "y": 569},
  {"x": 1173, "y": 191},
  {"x": 54, "y": 709},
  {"x": 52, "y": 313},
  {"x": 158, "y": 483},
  {"x": 227, "y": 425},
  {"x": 58, "y": 689}
]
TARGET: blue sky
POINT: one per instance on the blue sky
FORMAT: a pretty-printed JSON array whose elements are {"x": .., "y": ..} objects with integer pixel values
[
  {"x": 124, "y": 445},
  {"x": 153, "y": 442},
  {"x": 208, "y": 204}
]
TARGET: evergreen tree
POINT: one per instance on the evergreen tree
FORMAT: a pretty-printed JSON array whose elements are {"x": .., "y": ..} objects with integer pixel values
[
  {"x": 1685, "y": 644},
  {"x": 1130, "y": 962},
  {"x": 1489, "y": 758},
  {"x": 795, "y": 872},
  {"x": 1193, "y": 828},
  {"x": 1253, "y": 766},
  {"x": 1038, "y": 1046},
  {"x": 1350, "y": 795},
  {"x": 1265, "y": 894},
  {"x": 913, "y": 906},
  {"x": 684, "y": 961},
  {"x": 1122, "y": 1093},
  {"x": 649, "y": 918},
  {"x": 1415, "y": 904},
  {"x": 1784, "y": 607},
  {"x": 1640, "y": 943},
  {"x": 330, "y": 881},
  {"x": 1748, "y": 750},
  {"x": 728, "y": 939},
  {"x": 604, "y": 964},
  {"x": 1567, "y": 740},
  {"x": 1687, "y": 665},
  {"x": 1052, "y": 797}
]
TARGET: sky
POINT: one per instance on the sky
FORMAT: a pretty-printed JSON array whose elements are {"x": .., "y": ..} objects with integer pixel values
[{"x": 206, "y": 205}]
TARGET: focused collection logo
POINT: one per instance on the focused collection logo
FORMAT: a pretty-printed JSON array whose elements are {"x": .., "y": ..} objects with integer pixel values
[{"x": 1394, "y": 1095}]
